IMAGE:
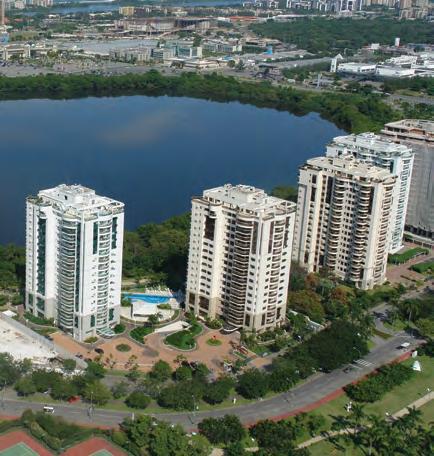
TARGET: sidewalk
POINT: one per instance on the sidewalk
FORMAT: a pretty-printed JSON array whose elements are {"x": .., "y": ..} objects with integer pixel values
[{"x": 416, "y": 404}]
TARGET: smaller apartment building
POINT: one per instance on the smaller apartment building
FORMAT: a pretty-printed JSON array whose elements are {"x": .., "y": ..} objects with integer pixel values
[
  {"x": 240, "y": 256},
  {"x": 343, "y": 215}
]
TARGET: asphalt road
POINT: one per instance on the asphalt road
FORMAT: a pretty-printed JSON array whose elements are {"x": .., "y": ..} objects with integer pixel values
[{"x": 314, "y": 389}]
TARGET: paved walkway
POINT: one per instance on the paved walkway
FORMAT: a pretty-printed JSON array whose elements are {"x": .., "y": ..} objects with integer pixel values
[{"x": 416, "y": 404}]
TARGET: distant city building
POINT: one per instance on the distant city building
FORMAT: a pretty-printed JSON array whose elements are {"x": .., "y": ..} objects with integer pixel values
[
  {"x": 396, "y": 158},
  {"x": 74, "y": 244},
  {"x": 10, "y": 51},
  {"x": 356, "y": 68},
  {"x": 344, "y": 210},
  {"x": 413, "y": 9},
  {"x": 419, "y": 135},
  {"x": 240, "y": 256}
]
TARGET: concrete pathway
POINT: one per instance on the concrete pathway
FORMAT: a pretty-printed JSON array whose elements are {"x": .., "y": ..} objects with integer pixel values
[{"x": 416, "y": 404}]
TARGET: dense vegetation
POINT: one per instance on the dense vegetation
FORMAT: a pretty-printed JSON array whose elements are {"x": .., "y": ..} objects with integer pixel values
[
  {"x": 425, "y": 85},
  {"x": 399, "y": 258},
  {"x": 376, "y": 385},
  {"x": 158, "y": 251},
  {"x": 330, "y": 36},
  {"x": 12, "y": 267},
  {"x": 352, "y": 112}
]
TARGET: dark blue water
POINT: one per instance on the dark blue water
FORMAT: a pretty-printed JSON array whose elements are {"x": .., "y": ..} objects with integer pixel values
[{"x": 151, "y": 153}]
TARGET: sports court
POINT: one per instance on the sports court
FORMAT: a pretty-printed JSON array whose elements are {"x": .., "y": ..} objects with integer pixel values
[
  {"x": 95, "y": 446},
  {"x": 18, "y": 443}
]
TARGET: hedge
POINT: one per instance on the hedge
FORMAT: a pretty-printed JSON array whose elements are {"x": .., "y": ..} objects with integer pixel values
[
  {"x": 399, "y": 258},
  {"x": 423, "y": 267},
  {"x": 376, "y": 385}
]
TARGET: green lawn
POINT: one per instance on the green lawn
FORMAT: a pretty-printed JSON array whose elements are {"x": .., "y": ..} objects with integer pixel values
[
  {"x": 139, "y": 333},
  {"x": 185, "y": 339},
  {"x": 400, "y": 258},
  {"x": 428, "y": 412},
  {"x": 325, "y": 448},
  {"x": 393, "y": 401}
]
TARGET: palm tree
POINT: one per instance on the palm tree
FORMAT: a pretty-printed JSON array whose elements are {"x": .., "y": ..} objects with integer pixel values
[
  {"x": 411, "y": 308},
  {"x": 357, "y": 415},
  {"x": 154, "y": 319}
]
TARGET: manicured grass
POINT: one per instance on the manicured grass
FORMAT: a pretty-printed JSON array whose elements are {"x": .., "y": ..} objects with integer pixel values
[
  {"x": 140, "y": 332},
  {"x": 428, "y": 412},
  {"x": 400, "y": 258},
  {"x": 214, "y": 342},
  {"x": 422, "y": 268},
  {"x": 123, "y": 348},
  {"x": 395, "y": 400},
  {"x": 38, "y": 320},
  {"x": 397, "y": 325},
  {"x": 185, "y": 339},
  {"x": 325, "y": 448}
]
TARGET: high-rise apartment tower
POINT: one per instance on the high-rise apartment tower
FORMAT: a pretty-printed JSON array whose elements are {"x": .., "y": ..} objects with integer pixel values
[
  {"x": 396, "y": 158},
  {"x": 343, "y": 212},
  {"x": 74, "y": 259},
  {"x": 239, "y": 257}
]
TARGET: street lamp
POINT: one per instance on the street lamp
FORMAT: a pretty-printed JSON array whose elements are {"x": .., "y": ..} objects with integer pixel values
[{"x": 90, "y": 411}]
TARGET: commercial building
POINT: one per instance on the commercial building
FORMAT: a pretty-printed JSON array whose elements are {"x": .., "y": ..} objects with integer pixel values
[
  {"x": 419, "y": 136},
  {"x": 8, "y": 51},
  {"x": 396, "y": 158},
  {"x": 344, "y": 210},
  {"x": 239, "y": 257},
  {"x": 357, "y": 68},
  {"x": 74, "y": 259}
]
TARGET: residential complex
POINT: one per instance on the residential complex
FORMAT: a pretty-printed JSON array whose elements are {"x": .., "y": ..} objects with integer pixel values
[
  {"x": 419, "y": 135},
  {"x": 396, "y": 158},
  {"x": 74, "y": 244},
  {"x": 239, "y": 257},
  {"x": 344, "y": 211}
]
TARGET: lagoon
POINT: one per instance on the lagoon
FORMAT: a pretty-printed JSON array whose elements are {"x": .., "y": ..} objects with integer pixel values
[{"x": 152, "y": 153}]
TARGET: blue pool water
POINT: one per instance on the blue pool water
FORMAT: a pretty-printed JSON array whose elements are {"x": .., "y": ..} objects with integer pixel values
[{"x": 151, "y": 299}]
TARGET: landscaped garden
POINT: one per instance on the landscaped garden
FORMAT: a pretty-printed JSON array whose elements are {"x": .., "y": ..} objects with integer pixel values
[
  {"x": 139, "y": 333},
  {"x": 214, "y": 342},
  {"x": 400, "y": 258},
  {"x": 185, "y": 339},
  {"x": 425, "y": 267},
  {"x": 123, "y": 348}
]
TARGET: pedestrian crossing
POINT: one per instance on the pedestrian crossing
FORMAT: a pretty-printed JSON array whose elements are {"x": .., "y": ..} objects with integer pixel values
[{"x": 363, "y": 362}]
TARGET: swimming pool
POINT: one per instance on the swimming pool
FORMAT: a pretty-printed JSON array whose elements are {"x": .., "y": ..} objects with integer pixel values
[{"x": 151, "y": 299}]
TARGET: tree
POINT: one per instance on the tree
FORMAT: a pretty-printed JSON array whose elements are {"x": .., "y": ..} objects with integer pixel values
[
  {"x": 138, "y": 400},
  {"x": 181, "y": 396},
  {"x": 97, "y": 393},
  {"x": 283, "y": 376},
  {"x": 275, "y": 437},
  {"x": 426, "y": 327},
  {"x": 154, "y": 319},
  {"x": 95, "y": 370},
  {"x": 307, "y": 302},
  {"x": 285, "y": 192},
  {"x": 222, "y": 430},
  {"x": 235, "y": 449},
  {"x": 161, "y": 371},
  {"x": 44, "y": 380},
  {"x": 63, "y": 390},
  {"x": 218, "y": 391},
  {"x": 69, "y": 365},
  {"x": 119, "y": 389},
  {"x": 183, "y": 373},
  {"x": 25, "y": 386},
  {"x": 10, "y": 370},
  {"x": 253, "y": 384}
]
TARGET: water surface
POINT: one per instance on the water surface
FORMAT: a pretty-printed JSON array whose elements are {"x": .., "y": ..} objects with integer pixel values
[{"x": 151, "y": 153}]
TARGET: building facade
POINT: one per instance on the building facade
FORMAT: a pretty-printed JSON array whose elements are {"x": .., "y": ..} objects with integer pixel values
[
  {"x": 396, "y": 158},
  {"x": 343, "y": 211},
  {"x": 239, "y": 256},
  {"x": 419, "y": 136},
  {"x": 74, "y": 242}
]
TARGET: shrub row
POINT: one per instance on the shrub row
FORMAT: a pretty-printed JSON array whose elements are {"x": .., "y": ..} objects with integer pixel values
[{"x": 375, "y": 386}]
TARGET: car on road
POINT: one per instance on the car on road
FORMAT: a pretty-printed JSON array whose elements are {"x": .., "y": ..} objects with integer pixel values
[{"x": 404, "y": 345}]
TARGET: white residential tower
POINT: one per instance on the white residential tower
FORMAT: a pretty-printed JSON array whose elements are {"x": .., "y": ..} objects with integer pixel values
[
  {"x": 396, "y": 158},
  {"x": 343, "y": 212},
  {"x": 74, "y": 244},
  {"x": 239, "y": 257}
]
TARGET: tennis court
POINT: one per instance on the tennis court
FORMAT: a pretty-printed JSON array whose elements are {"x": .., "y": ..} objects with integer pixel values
[
  {"x": 102, "y": 453},
  {"x": 19, "y": 443},
  {"x": 20, "y": 449}
]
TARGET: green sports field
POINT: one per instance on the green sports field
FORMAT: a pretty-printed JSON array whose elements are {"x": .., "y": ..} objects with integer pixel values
[{"x": 20, "y": 449}]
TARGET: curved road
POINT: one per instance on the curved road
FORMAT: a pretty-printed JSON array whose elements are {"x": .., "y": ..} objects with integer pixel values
[{"x": 306, "y": 396}]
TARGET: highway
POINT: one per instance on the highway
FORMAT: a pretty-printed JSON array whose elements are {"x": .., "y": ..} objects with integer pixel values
[{"x": 314, "y": 389}]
